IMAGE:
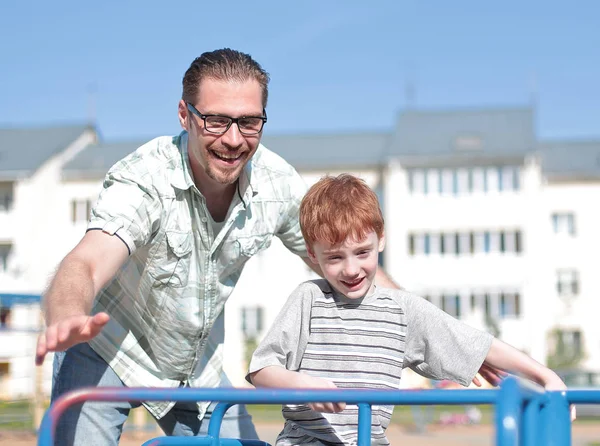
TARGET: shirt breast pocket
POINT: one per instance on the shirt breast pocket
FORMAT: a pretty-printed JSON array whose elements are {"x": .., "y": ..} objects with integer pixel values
[
  {"x": 235, "y": 253},
  {"x": 170, "y": 263}
]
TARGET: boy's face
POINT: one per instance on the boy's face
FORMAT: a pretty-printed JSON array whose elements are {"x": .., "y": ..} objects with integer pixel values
[{"x": 350, "y": 267}]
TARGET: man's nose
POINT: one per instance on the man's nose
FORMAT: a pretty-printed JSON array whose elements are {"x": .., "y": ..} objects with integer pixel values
[{"x": 232, "y": 137}]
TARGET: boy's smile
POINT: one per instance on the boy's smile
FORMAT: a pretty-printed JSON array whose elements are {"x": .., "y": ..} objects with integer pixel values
[{"x": 350, "y": 267}]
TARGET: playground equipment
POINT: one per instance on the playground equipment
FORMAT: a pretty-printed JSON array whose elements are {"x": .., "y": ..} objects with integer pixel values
[{"x": 526, "y": 415}]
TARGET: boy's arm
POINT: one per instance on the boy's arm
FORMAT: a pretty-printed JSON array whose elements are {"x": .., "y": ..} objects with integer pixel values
[
  {"x": 277, "y": 376},
  {"x": 505, "y": 357}
]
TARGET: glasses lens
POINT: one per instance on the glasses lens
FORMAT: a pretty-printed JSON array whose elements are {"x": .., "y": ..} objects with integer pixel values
[
  {"x": 250, "y": 126},
  {"x": 217, "y": 124}
]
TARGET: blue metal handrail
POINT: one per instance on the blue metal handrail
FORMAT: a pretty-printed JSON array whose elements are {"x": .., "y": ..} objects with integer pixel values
[{"x": 526, "y": 415}]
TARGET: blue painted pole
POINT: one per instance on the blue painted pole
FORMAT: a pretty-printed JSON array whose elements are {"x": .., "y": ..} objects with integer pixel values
[
  {"x": 364, "y": 424},
  {"x": 508, "y": 413},
  {"x": 557, "y": 419}
]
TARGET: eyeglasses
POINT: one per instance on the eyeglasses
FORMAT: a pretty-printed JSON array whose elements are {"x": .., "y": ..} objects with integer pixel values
[{"x": 247, "y": 125}]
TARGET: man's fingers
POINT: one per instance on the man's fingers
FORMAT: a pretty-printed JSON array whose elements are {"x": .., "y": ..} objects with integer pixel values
[
  {"x": 95, "y": 324},
  {"x": 51, "y": 340},
  {"x": 40, "y": 349}
]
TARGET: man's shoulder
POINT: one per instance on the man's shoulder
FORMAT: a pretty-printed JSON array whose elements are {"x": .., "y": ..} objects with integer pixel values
[
  {"x": 156, "y": 151},
  {"x": 153, "y": 162},
  {"x": 267, "y": 160}
]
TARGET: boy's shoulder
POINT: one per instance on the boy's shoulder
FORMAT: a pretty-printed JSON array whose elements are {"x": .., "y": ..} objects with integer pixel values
[
  {"x": 401, "y": 296},
  {"x": 315, "y": 287}
]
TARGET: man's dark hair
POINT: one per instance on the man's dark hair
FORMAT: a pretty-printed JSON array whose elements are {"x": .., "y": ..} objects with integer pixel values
[{"x": 224, "y": 65}]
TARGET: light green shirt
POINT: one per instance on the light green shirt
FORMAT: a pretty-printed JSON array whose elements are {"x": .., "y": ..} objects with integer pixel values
[{"x": 166, "y": 303}]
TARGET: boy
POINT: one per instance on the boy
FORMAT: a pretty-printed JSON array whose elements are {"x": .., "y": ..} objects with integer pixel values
[{"x": 344, "y": 332}]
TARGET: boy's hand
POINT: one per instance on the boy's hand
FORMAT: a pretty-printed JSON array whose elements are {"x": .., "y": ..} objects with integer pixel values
[
  {"x": 313, "y": 382},
  {"x": 552, "y": 382}
]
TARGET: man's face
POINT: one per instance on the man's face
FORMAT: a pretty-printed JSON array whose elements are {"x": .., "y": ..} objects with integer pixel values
[
  {"x": 221, "y": 158},
  {"x": 350, "y": 267}
]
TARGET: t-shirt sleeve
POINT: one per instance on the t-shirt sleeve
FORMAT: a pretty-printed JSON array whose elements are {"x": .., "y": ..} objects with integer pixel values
[
  {"x": 289, "y": 229},
  {"x": 127, "y": 207},
  {"x": 438, "y": 346},
  {"x": 285, "y": 342}
]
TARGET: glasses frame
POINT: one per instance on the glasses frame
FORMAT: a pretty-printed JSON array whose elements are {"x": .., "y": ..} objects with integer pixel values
[{"x": 202, "y": 116}]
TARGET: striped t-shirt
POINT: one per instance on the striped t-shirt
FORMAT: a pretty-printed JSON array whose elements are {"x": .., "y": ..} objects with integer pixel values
[{"x": 363, "y": 344}]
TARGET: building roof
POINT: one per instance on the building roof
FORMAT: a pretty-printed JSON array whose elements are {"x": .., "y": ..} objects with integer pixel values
[
  {"x": 340, "y": 150},
  {"x": 566, "y": 160},
  {"x": 502, "y": 131},
  {"x": 95, "y": 160},
  {"x": 24, "y": 150}
]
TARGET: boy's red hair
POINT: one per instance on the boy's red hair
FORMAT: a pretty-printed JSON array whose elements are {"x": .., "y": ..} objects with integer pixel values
[{"x": 336, "y": 208}]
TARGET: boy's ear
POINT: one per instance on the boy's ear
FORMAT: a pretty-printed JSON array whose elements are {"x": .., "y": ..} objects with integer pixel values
[
  {"x": 311, "y": 255},
  {"x": 381, "y": 242}
]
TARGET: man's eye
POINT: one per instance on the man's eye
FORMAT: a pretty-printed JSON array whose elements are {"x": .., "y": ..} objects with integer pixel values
[{"x": 218, "y": 121}]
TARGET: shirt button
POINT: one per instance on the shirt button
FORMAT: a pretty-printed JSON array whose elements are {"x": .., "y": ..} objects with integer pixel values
[{"x": 204, "y": 219}]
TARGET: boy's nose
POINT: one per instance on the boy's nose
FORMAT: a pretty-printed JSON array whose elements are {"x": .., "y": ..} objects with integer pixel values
[{"x": 351, "y": 268}]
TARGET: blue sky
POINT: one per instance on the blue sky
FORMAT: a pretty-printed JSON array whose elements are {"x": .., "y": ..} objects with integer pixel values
[{"x": 335, "y": 66}]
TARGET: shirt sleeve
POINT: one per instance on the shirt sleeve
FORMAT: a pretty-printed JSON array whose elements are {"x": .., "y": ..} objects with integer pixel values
[
  {"x": 441, "y": 347},
  {"x": 289, "y": 229},
  {"x": 127, "y": 207},
  {"x": 286, "y": 340}
]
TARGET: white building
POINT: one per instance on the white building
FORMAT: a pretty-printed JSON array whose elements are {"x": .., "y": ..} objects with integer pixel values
[
  {"x": 482, "y": 218},
  {"x": 31, "y": 239}
]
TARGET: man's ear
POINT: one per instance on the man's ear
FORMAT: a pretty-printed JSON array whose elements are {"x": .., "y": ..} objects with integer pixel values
[
  {"x": 381, "y": 242},
  {"x": 183, "y": 114}
]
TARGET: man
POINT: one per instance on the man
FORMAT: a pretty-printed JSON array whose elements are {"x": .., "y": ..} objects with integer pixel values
[{"x": 139, "y": 301}]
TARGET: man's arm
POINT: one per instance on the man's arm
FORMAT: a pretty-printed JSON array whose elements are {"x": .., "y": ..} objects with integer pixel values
[{"x": 68, "y": 300}]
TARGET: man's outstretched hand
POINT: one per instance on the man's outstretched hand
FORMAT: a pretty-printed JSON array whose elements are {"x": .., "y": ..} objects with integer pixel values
[{"x": 67, "y": 333}]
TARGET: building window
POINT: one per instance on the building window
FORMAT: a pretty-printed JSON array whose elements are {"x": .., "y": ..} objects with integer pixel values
[
  {"x": 478, "y": 180},
  {"x": 492, "y": 179},
  {"x": 252, "y": 321},
  {"x": 518, "y": 242},
  {"x": 509, "y": 178},
  {"x": 81, "y": 211},
  {"x": 417, "y": 182},
  {"x": 451, "y": 305},
  {"x": 435, "y": 243},
  {"x": 563, "y": 223},
  {"x": 447, "y": 181},
  {"x": 463, "y": 181},
  {"x": 4, "y": 255},
  {"x": 510, "y": 305},
  {"x": 433, "y": 180},
  {"x": 567, "y": 282},
  {"x": 570, "y": 341},
  {"x": 464, "y": 243},
  {"x": 6, "y": 196},
  {"x": 449, "y": 243},
  {"x": 4, "y": 317}
]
